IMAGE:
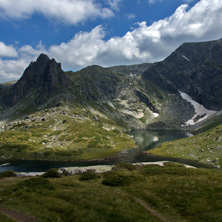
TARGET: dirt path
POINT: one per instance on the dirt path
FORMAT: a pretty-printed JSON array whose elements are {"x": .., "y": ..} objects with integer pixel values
[
  {"x": 20, "y": 217},
  {"x": 145, "y": 205}
]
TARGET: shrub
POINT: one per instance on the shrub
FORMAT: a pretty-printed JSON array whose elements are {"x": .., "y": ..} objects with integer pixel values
[
  {"x": 53, "y": 173},
  {"x": 89, "y": 175},
  {"x": 8, "y": 173},
  {"x": 36, "y": 183},
  {"x": 63, "y": 153},
  {"x": 124, "y": 166},
  {"x": 113, "y": 178}
]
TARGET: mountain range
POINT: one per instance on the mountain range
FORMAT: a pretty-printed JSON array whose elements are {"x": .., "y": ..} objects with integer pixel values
[{"x": 181, "y": 92}]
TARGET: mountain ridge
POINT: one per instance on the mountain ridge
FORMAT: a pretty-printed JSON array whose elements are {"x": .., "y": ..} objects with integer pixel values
[
  {"x": 193, "y": 68},
  {"x": 52, "y": 114}
]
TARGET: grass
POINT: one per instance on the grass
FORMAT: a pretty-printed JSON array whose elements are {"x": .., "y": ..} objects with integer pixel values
[
  {"x": 5, "y": 218},
  {"x": 205, "y": 147},
  {"x": 66, "y": 137},
  {"x": 173, "y": 192},
  {"x": 8, "y": 173}
]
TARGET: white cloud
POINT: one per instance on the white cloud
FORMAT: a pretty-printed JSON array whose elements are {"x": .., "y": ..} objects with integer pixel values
[
  {"x": 81, "y": 50},
  {"x": 131, "y": 16},
  {"x": 7, "y": 51},
  {"x": 67, "y": 11},
  {"x": 12, "y": 69},
  {"x": 154, "y": 1},
  {"x": 143, "y": 44},
  {"x": 114, "y": 4}
]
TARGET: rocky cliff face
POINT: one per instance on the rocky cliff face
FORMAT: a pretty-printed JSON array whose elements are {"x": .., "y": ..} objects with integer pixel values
[
  {"x": 43, "y": 77},
  {"x": 194, "y": 68}
]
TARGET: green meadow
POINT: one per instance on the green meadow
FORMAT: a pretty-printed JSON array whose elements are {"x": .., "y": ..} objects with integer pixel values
[{"x": 127, "y": 193}]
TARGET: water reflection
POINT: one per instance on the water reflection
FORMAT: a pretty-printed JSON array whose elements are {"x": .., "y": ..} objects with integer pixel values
[
  {"x": 149, "y": 139},
  {"x": 145, "y": 140}
]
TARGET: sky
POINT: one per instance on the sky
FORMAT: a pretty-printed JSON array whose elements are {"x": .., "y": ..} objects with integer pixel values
[{"x": 79, "y": 33}]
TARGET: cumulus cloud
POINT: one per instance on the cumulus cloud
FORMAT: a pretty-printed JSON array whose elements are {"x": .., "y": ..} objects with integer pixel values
[
  {"x": 67, "y": 11},
  {"x": 7, "y": 51},
  {"x": 143, "y": 44},
  {"x": 12, "y": 69},
  {"x": 82, "y": 50}
]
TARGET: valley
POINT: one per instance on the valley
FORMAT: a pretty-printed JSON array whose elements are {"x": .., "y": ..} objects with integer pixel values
[{"x": 49, "y": 114}]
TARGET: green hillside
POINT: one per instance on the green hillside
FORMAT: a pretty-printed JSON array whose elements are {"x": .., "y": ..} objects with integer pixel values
[
  {"x": 205, "y": 147},
  {"x": 63, "y": 133}
]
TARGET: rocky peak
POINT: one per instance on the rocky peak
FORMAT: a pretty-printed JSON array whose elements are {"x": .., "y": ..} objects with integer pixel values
[
  {"x": 43, "y": 58},
  {"x": 42, "y": 76}
]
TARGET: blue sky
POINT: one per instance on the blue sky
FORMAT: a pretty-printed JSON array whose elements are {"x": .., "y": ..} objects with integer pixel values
[{"x": 79, "y": 33}]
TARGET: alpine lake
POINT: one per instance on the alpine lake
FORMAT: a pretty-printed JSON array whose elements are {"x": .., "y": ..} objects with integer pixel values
[{"x": 145, "y": 139}]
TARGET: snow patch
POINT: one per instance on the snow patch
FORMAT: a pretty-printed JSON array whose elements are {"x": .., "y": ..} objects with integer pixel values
[
  {"x": 185, "y": 58},
  {"x": 156, "y": 115},
  {"x": 201, "y": 112}
]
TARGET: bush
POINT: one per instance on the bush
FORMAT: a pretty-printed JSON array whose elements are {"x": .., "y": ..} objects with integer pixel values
[
  {"x": 8, "y": 173},
  {"x": 36, "y": 183},
  {"x": 113, "y": 178},
  {"x": 124, "y": 166},
  {"x": 89, "y": 175},
  {"x": 52, "y": 173}
]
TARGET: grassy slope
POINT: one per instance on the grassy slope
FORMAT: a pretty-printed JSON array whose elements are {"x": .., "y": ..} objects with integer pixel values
[
  {"x": 65, "y": 134},
  {"x": 205, "y": 147},
  {"x": 173, "y": 193}
]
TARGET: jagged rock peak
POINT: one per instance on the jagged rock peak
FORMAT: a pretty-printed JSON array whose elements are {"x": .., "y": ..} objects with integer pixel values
[
  {"x": 44, "y": 76},
  {"x": 43, "y": 58}
]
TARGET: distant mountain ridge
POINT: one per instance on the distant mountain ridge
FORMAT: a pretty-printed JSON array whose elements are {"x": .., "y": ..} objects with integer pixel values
[{"x": 194, "y": 68}]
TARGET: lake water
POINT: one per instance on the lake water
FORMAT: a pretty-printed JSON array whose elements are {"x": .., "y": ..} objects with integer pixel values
[{"x": 145, "y": 140}]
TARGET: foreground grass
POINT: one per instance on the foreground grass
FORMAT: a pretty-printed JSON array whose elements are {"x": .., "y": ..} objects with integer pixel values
[
  {"x": 149, "y": 193},
  {"x": 5, "y": 218},
  {"x": 205, "y": 147}
]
